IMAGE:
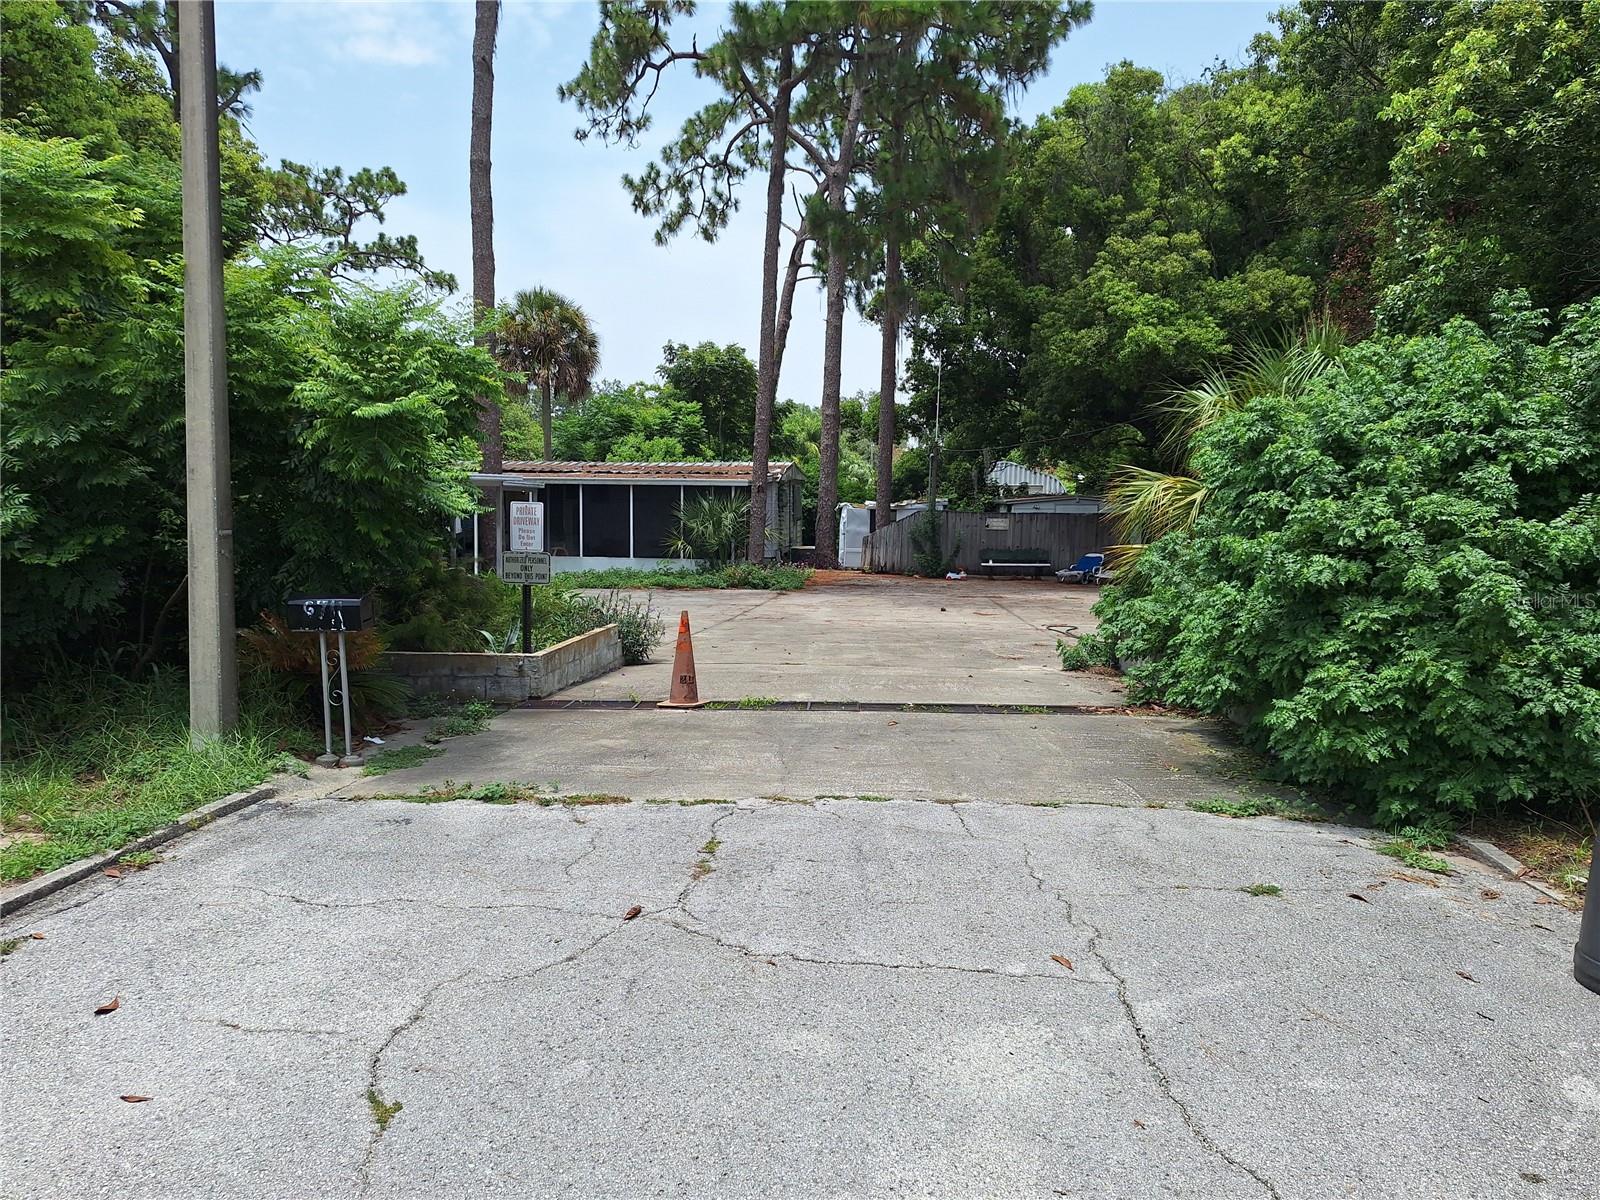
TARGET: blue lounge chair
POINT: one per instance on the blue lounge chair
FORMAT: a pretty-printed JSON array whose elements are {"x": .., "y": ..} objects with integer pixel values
[{"x": 1086, "y": 570}]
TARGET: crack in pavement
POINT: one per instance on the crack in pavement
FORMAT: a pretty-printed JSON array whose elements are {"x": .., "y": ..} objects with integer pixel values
[
  {"x": 771, "y": 959},
  {"x": 238, "y": 1028},
  {"x": 424, "y": 903},
  {"x": 364, "y": 1175},
  {"x": 1158, "y": 1073},
  {"x": 696, "y": 877},
  {"x": 955, "y": 811},
  {"x": 593, "y": 840}
]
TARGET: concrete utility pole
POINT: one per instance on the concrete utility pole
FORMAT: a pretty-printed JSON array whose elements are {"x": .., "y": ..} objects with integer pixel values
[{"x": 213, "y": 662}]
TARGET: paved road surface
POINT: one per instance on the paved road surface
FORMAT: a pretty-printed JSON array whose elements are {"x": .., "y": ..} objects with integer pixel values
[{"x": 857, "y": 999}]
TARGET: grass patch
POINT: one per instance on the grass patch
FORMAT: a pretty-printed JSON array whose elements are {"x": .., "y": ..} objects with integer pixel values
[
  {"x": 748, "y": 702},
  {"x": 692, "y": 803},
  {"x": 1224, "y": 806},
  {"x": 7, "y": 945},
  {"x": 462, "y": 720},
  {"x": 779, "y": 578},
  {"x": 383, "y": 1111},
  {"x": 1240, "y": 807},
  {"x": 1413, "y": 856},
  {"x": 139, "y": 859},
  {"x": 585, "y": 799},
  {"x": 1262, "y": 889},
  {"x": 93, "y": 761},
  {"x": 398, "y": 759}
]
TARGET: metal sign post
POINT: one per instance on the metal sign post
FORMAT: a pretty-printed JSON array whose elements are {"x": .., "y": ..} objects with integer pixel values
[
  {"x": 527, "y": 540},
  {"x": 527, "y": 569},
  {"x": 327, "y": 758},
  {"x": 323, "y": 615}
]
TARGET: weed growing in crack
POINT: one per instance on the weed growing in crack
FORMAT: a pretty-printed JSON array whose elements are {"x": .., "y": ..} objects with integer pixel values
[
  {"x": 7, "y": 945},
  {"x": 584, "y": 799},
  {"x": 1413, "y": 856},
  {"x": 469, "y": 718},
  {"x": 703, "y": 866},
  {"x": 399, "y": 759},
  {"x": 139, "y": 859},
  {"x": 1255, "y": 806},
  {"x": 383, "y": 1111},
  {"x": 1262, "y": 889},
  {"x": 693, "y": 803}
]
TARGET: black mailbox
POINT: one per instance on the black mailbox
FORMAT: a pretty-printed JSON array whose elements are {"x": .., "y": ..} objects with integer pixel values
[{"x": 328, "y": 614}]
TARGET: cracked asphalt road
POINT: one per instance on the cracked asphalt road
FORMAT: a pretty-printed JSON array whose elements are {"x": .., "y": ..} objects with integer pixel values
[{"x": 859, "y": 999}]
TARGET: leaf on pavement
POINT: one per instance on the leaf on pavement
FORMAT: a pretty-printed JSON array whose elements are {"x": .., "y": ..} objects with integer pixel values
[
  {"x": 1358, "y": 896},
  {"x": 1065, "y": 962},
  {"x": 110, "y": 1005},
  {"x": 38, "y": 937},
  {"x": 1467, "y": 977},
  {"x": 135, "y": 1099},
  {"x": 112, "y": 873},
  {"x": 1138, "y": 1122},
  {"x": 632, "y": 913}
]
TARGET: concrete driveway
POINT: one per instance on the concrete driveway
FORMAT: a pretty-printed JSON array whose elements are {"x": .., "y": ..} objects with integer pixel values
[
  {"x": 869, "y": 954},
  {"x": 876, "y": 638},
  {"x": 331, "y": 998}
]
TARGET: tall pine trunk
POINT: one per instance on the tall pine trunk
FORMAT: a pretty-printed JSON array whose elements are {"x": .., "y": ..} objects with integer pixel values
[
  {"x": 485, "y": 29},
  {"x": 545, "y": 419},
  {"x": 827, "y": 539},
  {"x": 768, "y": 355},
  {"x": 887, "y": 381}
]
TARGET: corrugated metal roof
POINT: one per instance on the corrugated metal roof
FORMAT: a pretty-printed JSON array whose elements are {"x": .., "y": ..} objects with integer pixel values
[
  {"x": 1010, "y": 474},
  {"x": 730, "y": 472}
]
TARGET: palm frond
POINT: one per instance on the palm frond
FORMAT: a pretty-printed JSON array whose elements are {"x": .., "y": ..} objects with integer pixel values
[
  {"x": 1186, "y": 411},
  {"x": 1145, "y": 505}
]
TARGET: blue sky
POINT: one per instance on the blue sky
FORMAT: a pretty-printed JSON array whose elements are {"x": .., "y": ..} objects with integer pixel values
[{"x": 375, "y": 83}]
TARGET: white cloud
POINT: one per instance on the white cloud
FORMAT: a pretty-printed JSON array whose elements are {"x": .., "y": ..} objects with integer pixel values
[{"x": 395, "y": 33}]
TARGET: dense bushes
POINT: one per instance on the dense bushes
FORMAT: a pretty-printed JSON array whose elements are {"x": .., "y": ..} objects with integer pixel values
[
  {"x": 1396, "y": 577},
  {"x": 443, "y": 608}
]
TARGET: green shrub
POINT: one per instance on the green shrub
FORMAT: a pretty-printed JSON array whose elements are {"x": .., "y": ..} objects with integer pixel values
[
  {"x": 1396, "y": 576},
  {"x": 439, "y": 608},
  {"x": 639, "y": 625}
]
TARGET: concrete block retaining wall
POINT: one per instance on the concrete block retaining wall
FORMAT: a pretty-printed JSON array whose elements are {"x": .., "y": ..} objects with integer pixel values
[{"x": 510, "y": 678}]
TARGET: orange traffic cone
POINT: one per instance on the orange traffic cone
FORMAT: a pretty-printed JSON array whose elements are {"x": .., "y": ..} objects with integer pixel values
[{"x": 685, "y": 691}]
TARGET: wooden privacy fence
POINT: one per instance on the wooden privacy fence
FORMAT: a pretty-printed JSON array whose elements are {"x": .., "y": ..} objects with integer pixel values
[{"x": 968, "y": 538}]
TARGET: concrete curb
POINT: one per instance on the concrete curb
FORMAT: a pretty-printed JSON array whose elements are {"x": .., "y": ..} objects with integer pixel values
[
  {"x": 1492, "y": 855},
  {"x": 45, "y": 885}
]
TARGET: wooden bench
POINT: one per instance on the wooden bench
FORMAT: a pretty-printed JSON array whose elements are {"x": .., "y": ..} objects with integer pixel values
[{"x": 1035, "y": 561}]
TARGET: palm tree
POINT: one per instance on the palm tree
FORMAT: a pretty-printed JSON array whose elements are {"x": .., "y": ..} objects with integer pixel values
[
  {"x": 551, "y": 342},
  {"x": 1146, "y": 504}
]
